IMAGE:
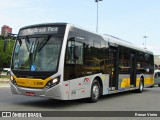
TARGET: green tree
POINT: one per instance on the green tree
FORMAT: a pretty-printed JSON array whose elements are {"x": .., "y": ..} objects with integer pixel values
[{"x": 5, "y": 56}]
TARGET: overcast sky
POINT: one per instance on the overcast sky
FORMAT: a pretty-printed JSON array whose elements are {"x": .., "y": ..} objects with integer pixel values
[{"x": 126, "y": 19}]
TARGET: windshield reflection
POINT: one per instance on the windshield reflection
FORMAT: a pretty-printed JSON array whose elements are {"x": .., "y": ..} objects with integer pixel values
[{"x": 37, "y": 54}]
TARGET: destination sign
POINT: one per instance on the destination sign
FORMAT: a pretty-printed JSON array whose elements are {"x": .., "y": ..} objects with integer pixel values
[{"x": 39, "y": 30}]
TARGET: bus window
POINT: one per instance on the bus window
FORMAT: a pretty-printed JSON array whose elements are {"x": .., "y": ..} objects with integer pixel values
[
  {"x": 74, "y": 53},
  {"x": 158, "y": 74},
  {"x": 78, "y": 53}
]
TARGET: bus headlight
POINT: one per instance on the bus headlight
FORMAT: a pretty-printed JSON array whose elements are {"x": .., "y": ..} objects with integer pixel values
[{"x": 53, "y": 82}]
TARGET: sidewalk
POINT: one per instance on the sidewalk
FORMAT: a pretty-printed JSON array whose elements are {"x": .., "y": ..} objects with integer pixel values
[{"x": 4, "y": 82}]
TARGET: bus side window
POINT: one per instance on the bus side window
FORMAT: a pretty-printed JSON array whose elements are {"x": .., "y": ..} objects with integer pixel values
[
  {"x": 74, "y": 53},
  {"x": 78, "y": 53},
  {"x": 69, "y": 53},
  {"x": 158, "y": 74}
]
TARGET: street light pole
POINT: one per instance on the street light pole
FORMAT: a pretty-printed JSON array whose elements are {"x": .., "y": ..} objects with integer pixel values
[
  {"x": 145, "y": 38},
  {"x": 97, "y": 14}
]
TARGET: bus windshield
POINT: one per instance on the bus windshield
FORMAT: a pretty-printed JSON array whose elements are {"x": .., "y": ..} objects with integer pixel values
[{"x": 37, "y": 53}]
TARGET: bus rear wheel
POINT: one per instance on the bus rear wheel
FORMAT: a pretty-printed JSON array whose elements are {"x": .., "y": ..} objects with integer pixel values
[
  {"x": 140, "y": 90},
  {"x": 95, "y": 91}
]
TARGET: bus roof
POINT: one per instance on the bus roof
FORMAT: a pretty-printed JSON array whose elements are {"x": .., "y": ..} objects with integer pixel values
[
  {"x": 125, "y": 43},
  {"x": 117, "y": 40},
  {"x": 106, "y": 37}
]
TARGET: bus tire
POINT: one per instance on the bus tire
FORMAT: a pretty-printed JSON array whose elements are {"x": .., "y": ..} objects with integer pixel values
[
  {"x": 140, "y": 90},
  {"x": 95, "y": 91}
]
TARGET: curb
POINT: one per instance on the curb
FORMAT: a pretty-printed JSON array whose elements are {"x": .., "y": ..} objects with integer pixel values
[{"x": 4, "y": 81}]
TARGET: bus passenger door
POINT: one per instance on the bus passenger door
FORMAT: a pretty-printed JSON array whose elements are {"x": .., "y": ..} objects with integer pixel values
[
  {"x": 113, "y": 58},
  {"x": 133, "y": 57}
]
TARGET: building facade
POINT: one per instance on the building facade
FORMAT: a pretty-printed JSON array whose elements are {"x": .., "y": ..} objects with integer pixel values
[{"x": 5, "y": 29}]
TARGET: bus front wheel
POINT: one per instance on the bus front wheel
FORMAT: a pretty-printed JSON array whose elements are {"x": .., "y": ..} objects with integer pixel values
[{"x": 95, "y": 91}]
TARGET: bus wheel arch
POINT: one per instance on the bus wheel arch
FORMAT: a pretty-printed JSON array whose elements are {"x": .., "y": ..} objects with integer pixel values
[
  {"x": 142, "y": 78},
  {"x": 101, "y": 84}
]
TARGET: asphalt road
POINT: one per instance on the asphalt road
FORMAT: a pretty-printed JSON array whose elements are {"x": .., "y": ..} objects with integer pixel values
[{"x": 149, "y": 100}]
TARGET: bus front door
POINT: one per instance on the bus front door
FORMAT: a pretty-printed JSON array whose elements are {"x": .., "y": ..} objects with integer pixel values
[{"x": 113, "y": 58}]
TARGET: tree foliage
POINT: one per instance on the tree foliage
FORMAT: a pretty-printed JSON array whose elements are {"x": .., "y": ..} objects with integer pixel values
[{"x": 5, "y": 56}]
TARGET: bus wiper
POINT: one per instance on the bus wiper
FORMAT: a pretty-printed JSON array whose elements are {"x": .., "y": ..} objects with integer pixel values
[
  {"x": 27, "y": 42},
  {"x": 43, "y": 43}
]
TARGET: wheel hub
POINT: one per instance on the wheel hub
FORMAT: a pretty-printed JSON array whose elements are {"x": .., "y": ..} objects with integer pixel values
[{"x": 95, "y": 92}]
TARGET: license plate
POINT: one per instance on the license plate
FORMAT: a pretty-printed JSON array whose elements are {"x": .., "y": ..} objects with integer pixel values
[{"x": 30, "y": 93}]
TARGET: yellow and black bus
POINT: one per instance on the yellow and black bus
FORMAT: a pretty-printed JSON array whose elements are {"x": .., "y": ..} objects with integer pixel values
[{"x": 62, "y": 61}]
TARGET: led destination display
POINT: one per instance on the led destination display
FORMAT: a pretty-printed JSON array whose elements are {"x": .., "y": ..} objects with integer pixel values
[{"x": 39, "y": 30}]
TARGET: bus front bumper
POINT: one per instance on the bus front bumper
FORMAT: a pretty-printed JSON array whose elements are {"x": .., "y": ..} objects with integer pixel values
[{"x": 53, "y": 92}]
